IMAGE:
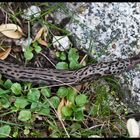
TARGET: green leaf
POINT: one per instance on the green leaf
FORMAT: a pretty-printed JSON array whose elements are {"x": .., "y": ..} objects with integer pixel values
[
  {"x": 2, "y": 92},
  {"x": 45, "y": 110},
  {"x": 62, "y": 92},
  {"x": 7, "y": 84},
  {"x": 16, "y": 88},
  {"x": 15, "y": 134},
  {"x": 24, "y": 115},
  {"x": 75, "y": 126},
  {"x": 4, "y": 102},
  {"x": 62, "y": 65},
  {"x": 71, "y": 94},
  {"x": 81, "y": 99},
  {"x": 79, "y": 115},
  {"x": 66, "y": 111},
  {"x": 41, "y": 108},
  {"x": 57, "y": 54},
  {"x": 26, "y": 131},
  {"x": 37, "y": 48},
  {"x": 21, "y": 102},
  {"x": 74, "y": 64},
  {"x": 73, "y": 55},
  {"x": 94, "y": 110},
  {"x": 63, "y": 56},
  {"x": 46, "y": 92},
  {"x": 34, "y": 105},
  {"x": 33, "y": 95},
  {"x": 28, "y": 54},
  {"x": 5, "y": 131},
  {"x": 55, "y": 101}
]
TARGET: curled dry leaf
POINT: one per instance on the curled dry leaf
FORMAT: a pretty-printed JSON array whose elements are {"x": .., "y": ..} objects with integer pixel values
[
  {"x": 62, "y": 103},
  {"x": 5, "y": 53},
  {"x": 133, "y": 128},
  {"x": 42, "y": 42},
  {"x": 42, "y": 32},
  {"x": 68, "y": 103},
  {"x": 11, "y": 30}
]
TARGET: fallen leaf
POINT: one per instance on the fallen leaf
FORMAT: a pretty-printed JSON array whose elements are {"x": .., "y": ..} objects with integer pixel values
[
  {"x": 11, "y": 30},
  {"x": 42, "y": 42},
  {"x": 133, "y": 128},
  {"x": 64, "y": 102},
  {"x": 62, "y": 43},
  {"x": 45, "y": 34},
  {"x": 78, "y": 88},
  {"x": 61, "y": 104},
  {"x": 5, "y": 53},
  {"x": 42, "y": 32}
]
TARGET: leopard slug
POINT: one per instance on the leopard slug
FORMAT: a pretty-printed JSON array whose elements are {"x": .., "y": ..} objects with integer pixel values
[{"x": 54, "y": 77}]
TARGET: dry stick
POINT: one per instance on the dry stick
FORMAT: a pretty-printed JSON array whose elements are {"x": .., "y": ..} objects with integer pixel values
[
  {"x": 6, "y": 18},
  {"x": 117, "y": 129},
  {"x": 83, "y": 59},
  {"x": 57, "y": 85},
  {"x": 95, "y": 126},
  {"x": 47, "y": 59},
  {"x": 103, "y": 125},
  {"x": 38, "y": 64}
]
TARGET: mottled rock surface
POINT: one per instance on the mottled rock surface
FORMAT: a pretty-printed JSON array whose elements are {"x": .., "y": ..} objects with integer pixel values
[{"x": 108, "y": 31}]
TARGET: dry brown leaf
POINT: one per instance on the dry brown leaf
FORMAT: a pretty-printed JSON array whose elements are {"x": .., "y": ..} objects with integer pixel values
[
  {"x": 78, "y": 88},
  {"x": 5, "y": 53},
  {"x": 62, "y": 103},
  {"x": 45, "y": 35},
  {"x": 68, "y": 103},
  {"x": 42, "y": 42},
  {"x": 11, "y": 30},
  {"x": 42, "y": 32}
]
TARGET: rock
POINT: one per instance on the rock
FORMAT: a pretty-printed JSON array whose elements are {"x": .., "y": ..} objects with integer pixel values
[
  {"x": 23, "y": 43},
  {"x": 62, "y": 43},
  {"x": 133, "y": 128},
  {"x": 31, "y": 11}
]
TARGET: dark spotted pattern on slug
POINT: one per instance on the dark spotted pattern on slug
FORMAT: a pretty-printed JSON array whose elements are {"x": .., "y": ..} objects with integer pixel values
[{"x": 53, "y": 77}]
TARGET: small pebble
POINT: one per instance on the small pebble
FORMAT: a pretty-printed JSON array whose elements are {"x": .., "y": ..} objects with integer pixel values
[
  {"x": 31, "y": 11},
  {"x": 62, "y": 43}
]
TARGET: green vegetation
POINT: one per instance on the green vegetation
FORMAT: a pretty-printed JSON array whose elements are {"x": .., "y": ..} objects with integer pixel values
[{"x": 27, "y": 110}]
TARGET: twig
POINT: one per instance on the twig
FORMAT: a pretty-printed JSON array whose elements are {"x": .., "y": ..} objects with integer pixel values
[
  {"x": 95, "y": 126},
  {"x": 83, "y": 59},
  {"x": 47, "y": 59}
]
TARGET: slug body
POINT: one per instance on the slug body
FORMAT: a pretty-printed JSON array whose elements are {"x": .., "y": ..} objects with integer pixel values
[{"x": 53, "y": 77}]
